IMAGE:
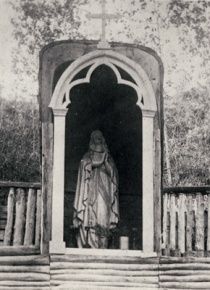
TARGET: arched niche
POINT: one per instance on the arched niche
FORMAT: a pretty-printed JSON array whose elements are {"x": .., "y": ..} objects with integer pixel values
[
  {"x": 133, "y": 78},
  {"x": 110, "y": 107}
]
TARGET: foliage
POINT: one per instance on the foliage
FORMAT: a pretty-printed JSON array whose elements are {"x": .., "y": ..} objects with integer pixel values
[
  {"x": 176, "y": 29},
  {"x": 19, "y": 144},
  {"x": 156, "y": 24},
  {"x": 187, "y": 121},
  {"x": 102, "y": 231},
  {"x": 40, "y": 22},
  {"x": 139, "y": 30},
  {"x": 191, "y": 16}
]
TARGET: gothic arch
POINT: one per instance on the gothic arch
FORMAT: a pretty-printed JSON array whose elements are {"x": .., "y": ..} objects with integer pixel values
[
  {"x": 146, "y": 97},
  {"x": 59, "y": 103}
]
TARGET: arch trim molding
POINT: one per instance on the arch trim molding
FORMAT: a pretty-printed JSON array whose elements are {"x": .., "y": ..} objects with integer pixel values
[
  {"x": 112, "y": 59},
  {"x": 143, "y": 87}
]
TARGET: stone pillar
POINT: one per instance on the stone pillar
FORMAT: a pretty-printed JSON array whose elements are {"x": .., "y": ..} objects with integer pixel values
[
  {"x": 148, "y": 171},
  {"x": 57, "y": 245}
]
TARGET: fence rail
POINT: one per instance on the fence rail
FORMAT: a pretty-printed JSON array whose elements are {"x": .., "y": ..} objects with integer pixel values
[
  {"x": 186, "y": 221},
  {"x": 20, "y": 218}
]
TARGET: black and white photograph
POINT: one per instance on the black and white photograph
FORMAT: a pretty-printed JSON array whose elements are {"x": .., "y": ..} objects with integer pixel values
[{"x": 104, "y": 144}]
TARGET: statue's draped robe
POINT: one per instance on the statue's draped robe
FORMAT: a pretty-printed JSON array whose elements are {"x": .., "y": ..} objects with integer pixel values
[{"x": 96, "y": 200}]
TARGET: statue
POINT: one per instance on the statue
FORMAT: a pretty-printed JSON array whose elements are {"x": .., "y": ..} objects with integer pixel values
[{"x": 96, "y": 205}]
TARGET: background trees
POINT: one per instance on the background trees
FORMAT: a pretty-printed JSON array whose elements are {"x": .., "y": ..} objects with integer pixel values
[
  {"x": 35, "y": 24},
  {"x": 177, "y": 29},
  {"x": 188, "y": 130},
  {"x": 19, "y": 143}
]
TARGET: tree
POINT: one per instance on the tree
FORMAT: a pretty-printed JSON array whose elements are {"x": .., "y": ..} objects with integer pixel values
[
  {"x": 188, "y": 130},
  {"x": 177, "y": 30},
  {"x": 19, "y": 144},
  {"x": 37, "y": 23},
  {"x": 191, "y": 17}
]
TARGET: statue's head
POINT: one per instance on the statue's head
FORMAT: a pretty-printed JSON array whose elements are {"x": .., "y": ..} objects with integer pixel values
[
  {"x": 97, "y": 137},
  {"x": 97, "y": 140}
]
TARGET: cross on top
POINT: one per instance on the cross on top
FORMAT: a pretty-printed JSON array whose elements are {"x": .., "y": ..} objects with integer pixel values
[{"x": 103, "y": 44}]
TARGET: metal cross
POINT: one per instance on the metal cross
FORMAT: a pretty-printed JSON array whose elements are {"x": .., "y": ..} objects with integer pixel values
[{"x": 103, "y": 44}]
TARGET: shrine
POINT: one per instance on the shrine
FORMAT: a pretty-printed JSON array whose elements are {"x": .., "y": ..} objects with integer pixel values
[
  {"x": 135, "y": 138},
  {"x": 100, "y": 217},
  {"x": 117, "y": 89}
]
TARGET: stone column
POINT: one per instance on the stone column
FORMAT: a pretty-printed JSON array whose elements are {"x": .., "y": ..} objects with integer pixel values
[
  {"x": 148, "y": 168},
  {"x": 57, "y": 245}
]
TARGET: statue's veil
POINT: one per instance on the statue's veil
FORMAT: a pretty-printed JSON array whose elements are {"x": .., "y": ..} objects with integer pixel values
[{"x": 92, "y": 145}]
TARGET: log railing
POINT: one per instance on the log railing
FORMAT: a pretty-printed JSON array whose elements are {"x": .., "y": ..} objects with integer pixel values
[
  {"x": 186, "y": 221},
  {"x": 20, "y": 218}
]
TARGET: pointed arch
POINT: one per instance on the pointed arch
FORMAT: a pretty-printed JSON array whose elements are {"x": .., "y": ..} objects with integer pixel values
[
  {"x": 59, "y": 103},
  {"x": 112, "y": 59}
]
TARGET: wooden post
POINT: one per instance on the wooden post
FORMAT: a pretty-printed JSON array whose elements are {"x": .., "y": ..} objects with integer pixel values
[
  {"x": 47, "y": 185},
  {"x": 208, "y": 233},
  {"x": 10, "y": 218},
  {"x": 148, "y": 181},
  {"x": 165, "y": 204},
  {"x": 168, "y": 230},
  {"x": 20, "y": 217},
  {"x": 38, "y": 218},
  {"x": 200, "y": 224},
  {"x": 173, "y": 222},
  {"x": 167, "y": 156},
  {"x": 157, "y": 188},
  {"x": 181, "y": 223},
  {"x": 30, "y": 218},
  {"x": 57, "y": 245},
  {"x": 189, "y": 223}
]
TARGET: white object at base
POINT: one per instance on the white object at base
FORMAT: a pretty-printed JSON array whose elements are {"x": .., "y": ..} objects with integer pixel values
[{"x": 124, "y": 243}]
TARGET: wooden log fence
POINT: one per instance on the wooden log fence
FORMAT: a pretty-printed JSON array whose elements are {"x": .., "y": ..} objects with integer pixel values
[
  {"x": 186, "y": 221},
  {"x": 20, "y": 219},
  {"x": 185, "y": 226}
]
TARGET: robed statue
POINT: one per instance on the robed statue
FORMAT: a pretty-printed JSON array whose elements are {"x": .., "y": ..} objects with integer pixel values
[{"x": 96, "y": 204}]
